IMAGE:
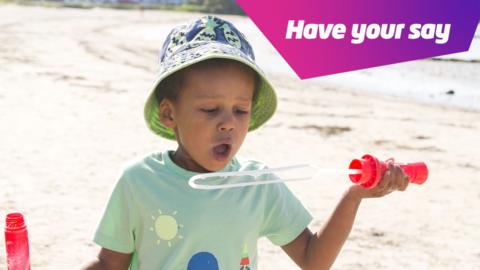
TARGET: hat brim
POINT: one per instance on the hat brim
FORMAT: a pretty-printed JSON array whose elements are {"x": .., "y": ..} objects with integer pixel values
[{"x": 262, "y": 109}]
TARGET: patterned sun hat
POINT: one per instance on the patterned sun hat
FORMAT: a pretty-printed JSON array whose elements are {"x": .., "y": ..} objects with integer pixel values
[{"x": 206, "y": 38}]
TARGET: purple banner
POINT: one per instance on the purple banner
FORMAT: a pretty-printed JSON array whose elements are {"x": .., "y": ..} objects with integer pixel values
[{"x": 319, "y": 38}]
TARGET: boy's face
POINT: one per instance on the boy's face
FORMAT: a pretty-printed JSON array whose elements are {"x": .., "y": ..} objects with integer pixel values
[{"x": 210, "y": 116}]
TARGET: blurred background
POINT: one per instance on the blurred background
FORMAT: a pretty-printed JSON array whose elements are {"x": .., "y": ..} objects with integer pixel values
[
  {"x": 211, "y": 6},
  {"x": 74, "y": 77}
]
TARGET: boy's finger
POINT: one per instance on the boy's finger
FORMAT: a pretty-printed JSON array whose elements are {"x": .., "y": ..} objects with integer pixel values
[
  {"x": 404, "y": 184},
  {"x": 404, "y": 181},
  {"x": 401, "y": 179},
  {"x": 396, "y": 173},
  {"x": 385, "y": 181},
  {"x": 398, "y": 178},
  {"x": 390, "y": 171}
]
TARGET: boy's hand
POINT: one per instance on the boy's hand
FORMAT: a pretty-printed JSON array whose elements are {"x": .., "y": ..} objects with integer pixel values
[{"x": 393, "y": 179}]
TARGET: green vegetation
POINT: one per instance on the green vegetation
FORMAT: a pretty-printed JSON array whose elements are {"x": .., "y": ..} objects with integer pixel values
[
  {"x": 206, "y": 6},
  {"x": 222, "y": 6},
  {"x": 2, "y": 2}
]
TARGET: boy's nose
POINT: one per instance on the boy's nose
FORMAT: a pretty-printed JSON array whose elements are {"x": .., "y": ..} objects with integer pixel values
[{"x": 227, "y": 122}]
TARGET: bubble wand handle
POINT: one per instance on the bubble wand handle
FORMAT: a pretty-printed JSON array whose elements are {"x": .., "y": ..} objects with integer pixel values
[
  {"x": 372, "y": 170},
  {"x": 16, "y": 241}
]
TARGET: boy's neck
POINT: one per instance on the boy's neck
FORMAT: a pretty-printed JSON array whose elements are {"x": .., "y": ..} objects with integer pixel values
[{"x": 183, "y": 160}]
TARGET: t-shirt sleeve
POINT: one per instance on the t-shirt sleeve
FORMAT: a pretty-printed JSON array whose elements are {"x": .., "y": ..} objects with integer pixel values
[
  {"x": 116, "y": 230},
  {"x": 285, "y": 216}
]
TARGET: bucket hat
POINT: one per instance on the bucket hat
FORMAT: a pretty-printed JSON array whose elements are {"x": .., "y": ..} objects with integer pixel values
[{"x": 206, "y": 38}]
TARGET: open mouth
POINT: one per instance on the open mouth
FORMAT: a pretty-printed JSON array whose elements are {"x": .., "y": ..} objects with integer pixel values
[{"x": 222, "y": 151}]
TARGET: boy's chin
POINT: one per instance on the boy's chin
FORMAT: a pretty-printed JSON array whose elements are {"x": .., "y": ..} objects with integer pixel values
[{"x": 217, "y": 166}]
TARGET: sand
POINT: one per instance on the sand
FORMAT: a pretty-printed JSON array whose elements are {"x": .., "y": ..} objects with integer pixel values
[{"x": 72, "y": 87}]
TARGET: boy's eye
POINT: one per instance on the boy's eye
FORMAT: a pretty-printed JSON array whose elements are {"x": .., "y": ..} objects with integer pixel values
[
  {"x": 209, "y": 110},
  {"x": 241, "y": 111}
]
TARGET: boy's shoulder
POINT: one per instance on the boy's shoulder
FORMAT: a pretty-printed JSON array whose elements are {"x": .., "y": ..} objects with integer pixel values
[{"x": 150, "y": 162}]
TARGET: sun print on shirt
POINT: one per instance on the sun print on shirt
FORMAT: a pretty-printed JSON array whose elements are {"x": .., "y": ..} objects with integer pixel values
[{"x": 166, "y": 227}]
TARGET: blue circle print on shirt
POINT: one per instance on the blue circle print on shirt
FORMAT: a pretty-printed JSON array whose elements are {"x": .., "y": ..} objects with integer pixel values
[{"x": 203, "y": 261}]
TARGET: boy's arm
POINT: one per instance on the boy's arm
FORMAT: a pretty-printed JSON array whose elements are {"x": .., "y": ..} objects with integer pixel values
[
  {"x": 318, "y": 251},
  {"x": 109, "y": 260}
]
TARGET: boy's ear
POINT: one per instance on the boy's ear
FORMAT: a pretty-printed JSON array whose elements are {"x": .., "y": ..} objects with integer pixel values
[{"x": 165, "y": 113}]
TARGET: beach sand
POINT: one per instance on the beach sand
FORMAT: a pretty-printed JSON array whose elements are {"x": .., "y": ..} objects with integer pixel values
[{"x": 72, "y": 87}]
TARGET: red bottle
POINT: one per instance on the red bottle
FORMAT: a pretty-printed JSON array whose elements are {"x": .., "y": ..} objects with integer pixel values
[
  {"x": 373, "y": 170},
  {"x": 16, "y": 240}
]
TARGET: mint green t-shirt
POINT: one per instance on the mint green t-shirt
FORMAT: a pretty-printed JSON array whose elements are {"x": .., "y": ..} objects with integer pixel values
[{"x": 154, "y": 214}]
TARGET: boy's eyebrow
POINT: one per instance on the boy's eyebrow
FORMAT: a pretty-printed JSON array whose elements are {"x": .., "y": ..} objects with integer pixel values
[{"x": 213, "y": 96}]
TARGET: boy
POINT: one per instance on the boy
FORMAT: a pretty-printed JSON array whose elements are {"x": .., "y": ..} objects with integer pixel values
[{"x": 208, "y": 95}]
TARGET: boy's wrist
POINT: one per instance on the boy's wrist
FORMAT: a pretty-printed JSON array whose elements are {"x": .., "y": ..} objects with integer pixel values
[{"x": 356, "y": 193}]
